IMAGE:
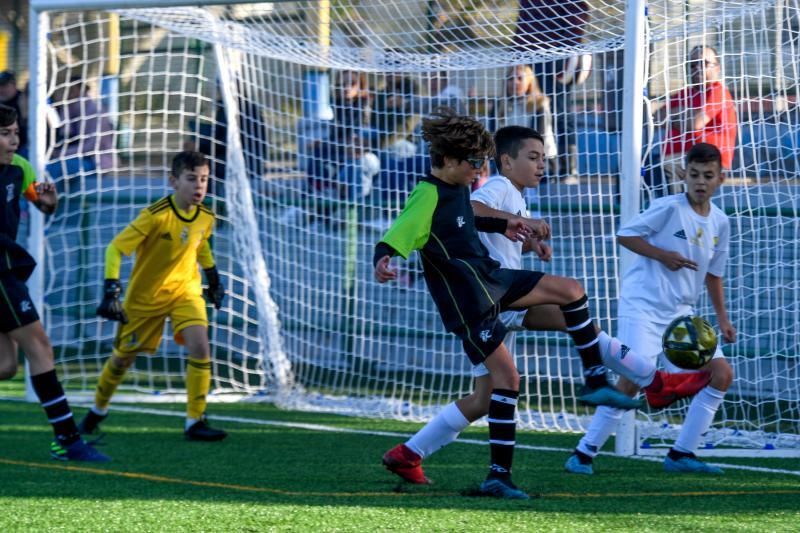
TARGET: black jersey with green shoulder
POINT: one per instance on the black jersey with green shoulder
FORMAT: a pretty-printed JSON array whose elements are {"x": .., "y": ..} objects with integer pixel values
[
  {"x": 462, "y": 278},
  {"x": 14, "y": 180}
]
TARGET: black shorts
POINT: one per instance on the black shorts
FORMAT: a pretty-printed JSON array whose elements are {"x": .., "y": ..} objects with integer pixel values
[
  {"x": 16, "y": 307},
  {"x": 483, "y": 337}
]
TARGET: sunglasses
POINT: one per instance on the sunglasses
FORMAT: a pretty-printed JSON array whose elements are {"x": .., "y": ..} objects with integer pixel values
[{"x": 476, "y": 162}]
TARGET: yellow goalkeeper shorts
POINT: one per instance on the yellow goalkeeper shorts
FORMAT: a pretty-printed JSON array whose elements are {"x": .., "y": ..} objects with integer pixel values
[{"x": 143, "y": 331}]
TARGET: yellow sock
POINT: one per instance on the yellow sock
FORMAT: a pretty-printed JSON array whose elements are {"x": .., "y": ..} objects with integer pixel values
[
  {"x": 198, "y": 381},
  {"x": 110, "y": 378}
]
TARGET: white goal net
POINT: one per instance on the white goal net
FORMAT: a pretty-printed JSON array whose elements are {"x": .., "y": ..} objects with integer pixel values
[{"x": 309, "y": 112}]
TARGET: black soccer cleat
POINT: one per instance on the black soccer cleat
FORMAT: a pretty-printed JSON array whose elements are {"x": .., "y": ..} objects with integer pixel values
[
  {"x": 90, "y": 423},
  {"x": 201, "y": 431}
]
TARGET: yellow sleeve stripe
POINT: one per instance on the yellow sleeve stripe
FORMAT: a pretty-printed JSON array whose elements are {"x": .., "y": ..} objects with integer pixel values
[{"x": 206, "y": 210}]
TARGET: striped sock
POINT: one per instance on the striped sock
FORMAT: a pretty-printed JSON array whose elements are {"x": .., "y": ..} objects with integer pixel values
[
  {"x": 54, "y": 401},
  {"x": 502, "y": 431},
  {"x": 198, "y": 382},
  {"x": 581, "y": 328}
]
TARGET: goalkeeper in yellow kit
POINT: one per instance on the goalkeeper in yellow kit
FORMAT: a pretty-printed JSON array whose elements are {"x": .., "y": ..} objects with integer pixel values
[{"x": 169, "y": 238}]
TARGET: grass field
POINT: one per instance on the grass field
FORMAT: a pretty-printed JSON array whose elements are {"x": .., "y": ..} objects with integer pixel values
[{"x": 291, "y": 471}]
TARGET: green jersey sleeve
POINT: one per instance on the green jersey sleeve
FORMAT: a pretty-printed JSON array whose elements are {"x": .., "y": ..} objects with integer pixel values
[
  {"x": 28, "y": 174},
  {"x": 412, "y": 229}
]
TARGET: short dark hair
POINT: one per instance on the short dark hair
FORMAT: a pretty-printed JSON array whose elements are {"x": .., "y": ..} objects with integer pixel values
[
  {"x": 704, "y": 153},
  {"x": 7, "y": 77},
  {"x": 508, "y": 140},
  {"x": 188, "y": 160},
  {"x": 456, "y": 136},
  {"x": 8, "y": 116}
]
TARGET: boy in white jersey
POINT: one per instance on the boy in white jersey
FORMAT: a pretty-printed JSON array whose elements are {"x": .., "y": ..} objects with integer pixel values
[
  {"x": 521, "y": 162},
  {"x": 681, "y": 242}
]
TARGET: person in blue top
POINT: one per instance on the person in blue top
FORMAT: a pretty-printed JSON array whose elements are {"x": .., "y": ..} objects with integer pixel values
[{"x": 20, "y": 326}]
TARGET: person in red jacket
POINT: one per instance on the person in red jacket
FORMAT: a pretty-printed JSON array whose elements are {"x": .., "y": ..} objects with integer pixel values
[{"x": 703, "y": 111}]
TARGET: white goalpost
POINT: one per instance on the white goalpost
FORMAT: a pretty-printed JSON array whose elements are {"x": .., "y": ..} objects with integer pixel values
[{"x": 309, "y": 112}]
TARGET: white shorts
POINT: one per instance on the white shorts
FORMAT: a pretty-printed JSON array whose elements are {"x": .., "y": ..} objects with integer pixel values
[
  {"x": 644, "y": 338},
  {"x": 513, "y": 321}
]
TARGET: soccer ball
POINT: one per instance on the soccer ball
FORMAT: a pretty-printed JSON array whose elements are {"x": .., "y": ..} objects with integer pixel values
[{"x": 689, "y": 342}]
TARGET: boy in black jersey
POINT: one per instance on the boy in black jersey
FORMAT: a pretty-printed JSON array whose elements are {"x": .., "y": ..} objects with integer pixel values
[
  {"x": 470, "y": 289},
  {"x": 19, "y": 321}
]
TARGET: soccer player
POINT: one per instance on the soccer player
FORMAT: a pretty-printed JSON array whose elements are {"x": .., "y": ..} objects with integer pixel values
[
  {"x": 681, "y": 242},
  {"x": 19, "y": 322},
  {"x": 169, "y": 238},
  {"x": 469, "y": 287},
  {"x": 520, "y": 158}
]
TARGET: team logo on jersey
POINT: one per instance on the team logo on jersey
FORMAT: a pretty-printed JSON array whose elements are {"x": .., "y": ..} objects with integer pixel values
[
  {"x": 681, "y": 235},
  {"x": 460, "y": 221},
  {"x": 133, "y": 340},
  {"x": 184, "y": 235},
  {"x": 9, "y": 192},
  {"x": 166, "y": 236},
  {"x": 485, "y": 335},
  {"x": 623, "y": 351},
  {"x": 696, "y": 239},
  {"x": 25, "y": 306}
]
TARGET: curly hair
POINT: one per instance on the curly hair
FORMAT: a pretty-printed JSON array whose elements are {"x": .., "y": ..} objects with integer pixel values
[{"x": 452, "y": 135}]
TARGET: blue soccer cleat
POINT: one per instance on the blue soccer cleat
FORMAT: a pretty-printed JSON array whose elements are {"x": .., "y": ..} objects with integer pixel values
[
  {"x": 575, "y": 466},
  {"x": 607, "y": 395},
  {"x": 690, "y": 464},
  {"x": 501, "y": 488},
  {"x": 77, "y": 451}
]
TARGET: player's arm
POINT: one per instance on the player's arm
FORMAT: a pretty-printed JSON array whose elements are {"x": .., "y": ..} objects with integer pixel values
[
  {"x": 671, "y": 260},
  {"x": 42, "y": 195},
  {"x": 215, "y": 292},
  {"x": 124, "y": 243},
  {"x": 716, "y": 293},
  {"x": 539, "y": 228},
  {"x": 410, "y": 230}
]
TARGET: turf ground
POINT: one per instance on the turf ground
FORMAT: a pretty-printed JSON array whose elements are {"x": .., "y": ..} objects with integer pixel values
[{"x": 291, "y": 471}]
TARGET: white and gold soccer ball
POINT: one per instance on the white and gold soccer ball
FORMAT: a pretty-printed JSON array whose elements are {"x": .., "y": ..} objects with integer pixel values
[{"x": 689, "y": 342}]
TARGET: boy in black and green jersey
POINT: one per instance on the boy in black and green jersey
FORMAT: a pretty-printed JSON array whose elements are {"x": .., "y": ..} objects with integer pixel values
[
  {"x": 20, "y": 326},
  {"x": 470, "y": 289}
]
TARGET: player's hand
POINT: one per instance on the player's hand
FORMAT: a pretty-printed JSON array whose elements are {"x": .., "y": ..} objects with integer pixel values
[
  {"x": 675, "y": 261},
  {"x": 541, "y": 249},
  {"x": 111, "y": 308},
  {"x": 539, "y": 227},
  {"x": 517, "y": 230},
  {"x": 215, "y": 292},
  {"x": 383, "y": 271},
  {"x": 48, "y": 198},
  {"x": 728, "y": 331}
]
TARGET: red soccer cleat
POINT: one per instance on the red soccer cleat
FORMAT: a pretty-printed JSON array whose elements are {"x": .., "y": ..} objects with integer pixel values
[
  {"x": 667, "y": 389},
  {"x": 402, "y": 461}
]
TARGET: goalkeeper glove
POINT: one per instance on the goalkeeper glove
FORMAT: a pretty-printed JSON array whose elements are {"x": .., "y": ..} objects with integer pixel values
[
  {"x": 215, "y": 292},
  {"x": 111, "y": 307}
]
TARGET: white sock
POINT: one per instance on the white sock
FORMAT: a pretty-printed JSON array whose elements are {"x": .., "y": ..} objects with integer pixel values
[
  {"x": 98, "y": 411},
  {"x": 439, "y": 432},
  {"x": 603, "y": 424},
  {"x": 189, "y": 423},
  {"x": 626, "y": 362},
  {"x": 699, "y": 418}
]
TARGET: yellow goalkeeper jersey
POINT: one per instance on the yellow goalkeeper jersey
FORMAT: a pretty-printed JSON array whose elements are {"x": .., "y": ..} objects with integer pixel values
[{"x": 168, "y": 244}]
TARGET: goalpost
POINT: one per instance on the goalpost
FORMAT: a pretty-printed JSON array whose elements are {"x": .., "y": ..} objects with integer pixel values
[{"x": 310, "y": 111}]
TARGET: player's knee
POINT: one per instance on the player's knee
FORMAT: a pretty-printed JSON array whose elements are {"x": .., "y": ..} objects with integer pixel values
[
  {"x": 8, "y": 368},
  {"x": 722, "y": 376},
  {"x": 507, "y": 378},
  {"x": 573, "y": 290}
]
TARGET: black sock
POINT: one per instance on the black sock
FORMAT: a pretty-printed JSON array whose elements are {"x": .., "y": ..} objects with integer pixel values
[
  {"x": 581, "y": 328},
  {"x": 55, "y": 405},
  {"x": 502, "y": 431},
  {"x": 676, "y": 455},
  {"x": 582, "y": 457}
]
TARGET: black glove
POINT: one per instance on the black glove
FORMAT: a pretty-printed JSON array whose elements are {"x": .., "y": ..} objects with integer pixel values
[
  {"x": 215, "y": 292},
  {"x": 111, "y": 307}
]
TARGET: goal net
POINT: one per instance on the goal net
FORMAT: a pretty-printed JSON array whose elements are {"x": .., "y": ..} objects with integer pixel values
[{"x": 310, "y": 114}]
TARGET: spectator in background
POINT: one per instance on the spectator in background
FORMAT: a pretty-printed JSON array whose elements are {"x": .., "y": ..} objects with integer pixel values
[
  {"x": 391, "y": 115},
  {"x": 545, "y": 25},
  {"x": 85, "y": 136},
  {"x": 11, "y": 96},
  {"x": 703, "y": 111},
  {"x": 443, "y": 93},
  {"x": 211, "y": 139}
]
